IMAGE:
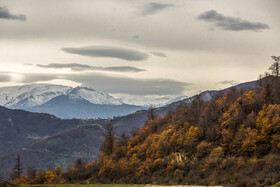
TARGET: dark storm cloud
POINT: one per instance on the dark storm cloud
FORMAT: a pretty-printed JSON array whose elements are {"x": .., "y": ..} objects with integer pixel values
[
  {"x": 83, "y": 67},
  {"x": 119, "y": 85},
  {"x": 5, "y": 14},
  {"x": 5, "y": 78},
  {"x": 153, "y": 8},
  {"x": 227, "y": 82},
  {"x": 160, "y": 54},
  {"x": 108, "y": 52},
  {"x": 231, "y": 23}
]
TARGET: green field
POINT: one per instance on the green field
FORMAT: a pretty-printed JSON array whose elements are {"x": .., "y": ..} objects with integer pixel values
[
  {"x": 84, "y": 185},
  {"x": 276, "y": 185}
]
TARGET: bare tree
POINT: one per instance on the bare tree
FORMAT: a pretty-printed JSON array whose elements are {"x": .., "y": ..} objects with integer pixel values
[
  {"x": 151, "y": 113},
  {"x": 79, "y": 163},
  {"x": 274, "y": 68}
]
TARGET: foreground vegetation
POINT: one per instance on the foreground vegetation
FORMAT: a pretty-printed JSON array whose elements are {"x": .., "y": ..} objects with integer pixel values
[
  {"x": 5, "y": 184},
  {"x": 84, "y": 185},
  {"x": 231, "y": 140}
]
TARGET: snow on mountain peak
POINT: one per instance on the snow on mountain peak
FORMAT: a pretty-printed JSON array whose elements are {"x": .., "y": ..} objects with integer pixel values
[
  {"x": 30, "y": 95},
  {"x": 151, "y": 101},
  {"x": 93, "y": 96}
]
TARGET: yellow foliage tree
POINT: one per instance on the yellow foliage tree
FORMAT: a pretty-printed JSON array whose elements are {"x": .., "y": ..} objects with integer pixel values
[{"x": 50, "y": 176}]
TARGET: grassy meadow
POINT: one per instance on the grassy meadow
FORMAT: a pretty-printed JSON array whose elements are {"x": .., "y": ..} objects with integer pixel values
[{"x": 84, "y": 185}]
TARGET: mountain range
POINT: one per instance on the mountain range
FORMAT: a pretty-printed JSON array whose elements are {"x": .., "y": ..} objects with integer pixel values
[
  {"x": 45, "y": 140},
  {"x": 78, "y": 102}
]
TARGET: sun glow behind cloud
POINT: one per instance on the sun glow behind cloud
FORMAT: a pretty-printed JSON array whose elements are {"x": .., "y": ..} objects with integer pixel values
[{"x": 139, "y": 40}]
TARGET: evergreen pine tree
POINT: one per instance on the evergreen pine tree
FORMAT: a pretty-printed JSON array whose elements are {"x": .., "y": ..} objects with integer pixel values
[
  {"x": 107, "y": 146},
  {"x": 18, "y": 168}
]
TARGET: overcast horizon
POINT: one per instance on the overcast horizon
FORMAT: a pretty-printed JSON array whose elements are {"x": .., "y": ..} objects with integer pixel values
[{"x": 137, "y": 48}]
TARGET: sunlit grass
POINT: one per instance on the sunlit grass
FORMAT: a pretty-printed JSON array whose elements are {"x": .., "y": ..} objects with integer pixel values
[
  {"x": 276, "y": 185},
  {"x": 83, "y": 185}
]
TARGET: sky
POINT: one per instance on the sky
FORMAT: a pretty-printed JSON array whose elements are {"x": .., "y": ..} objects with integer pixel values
[{"x": 138, "y": 47}]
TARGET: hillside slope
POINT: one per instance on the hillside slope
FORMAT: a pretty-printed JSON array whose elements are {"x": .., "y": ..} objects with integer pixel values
[
  {"x": 19, "y": 128},
  {"x": 232, "y": 140},
  {"x": 58, "y": 150},
  {"x": 136, "y": 120}
]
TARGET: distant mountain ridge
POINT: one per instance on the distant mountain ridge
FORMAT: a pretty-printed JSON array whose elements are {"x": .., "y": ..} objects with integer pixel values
[
  {"x": 28, "y": 96},
  {"x": 148, "y": 101},
  {"x": 78, "y": 102},
  {"x": 64, "y": 101},
  {"x": 93, "y": 96}
]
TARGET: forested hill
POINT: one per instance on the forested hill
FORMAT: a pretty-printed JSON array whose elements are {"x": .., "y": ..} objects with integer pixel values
[
  {"x": 233, "y": 139},
  {"x": 19, "y": 128},
  {"x": 230, "y": 140}
]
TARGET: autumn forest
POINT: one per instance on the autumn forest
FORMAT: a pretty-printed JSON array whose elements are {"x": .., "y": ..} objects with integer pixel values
[{"x": 234, "y": 139}]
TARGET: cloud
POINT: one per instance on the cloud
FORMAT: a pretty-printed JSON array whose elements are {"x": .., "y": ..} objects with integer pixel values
[
  {"x": 124, "y": 85},
  {"x": 123, "y": 69},
  {"x": 160, "y": 54},
  {"x": 135, "y": 37},
  {"x": 153, "y": 8},
  {"x": 83, "y": 67},
  {"x": 231, "y": 23},
  {"x": 5, "y": 78},
  {"x": 117, "y": 85},
  {"x": 108, "y": 52},
  {"x": 5, "y": 14},
  {"x": 38, "y": 77},
  {"x": 227, "y": 82}
]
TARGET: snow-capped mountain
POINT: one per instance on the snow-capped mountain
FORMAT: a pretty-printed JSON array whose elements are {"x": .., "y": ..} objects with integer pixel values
[
  {"x": 64, "y": 101},
  {"x": 30, "y": 95},
  {"x": 93, "y": 96},
  {"x": 78, "y": 102},
  {"x": 151, "y": 101},
  {"x": 176, "y": 99}
]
